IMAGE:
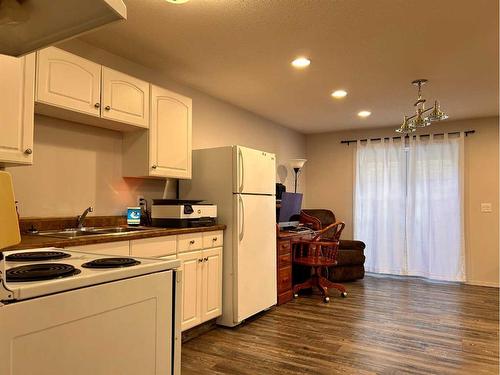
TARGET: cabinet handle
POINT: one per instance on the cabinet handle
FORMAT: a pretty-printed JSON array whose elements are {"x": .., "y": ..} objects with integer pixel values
[
  {"x": 154, "y": 166},
  {"x": 214, "y": 239},
  {"x": 200, "y": 260},
  {"x": 28, "y": 151},
  {"x": 191, "y": 242},
  {"x": 97, "y": 105},
  {"x": 107, "y": 108},
  {"x": 205, "y": 259}
]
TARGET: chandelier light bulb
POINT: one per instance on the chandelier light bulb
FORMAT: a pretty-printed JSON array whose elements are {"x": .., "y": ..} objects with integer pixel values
[
  {"x": 420, "y": 121},
  {"x": 406, "y": 127},
  {"x": 437, "y": 114}
]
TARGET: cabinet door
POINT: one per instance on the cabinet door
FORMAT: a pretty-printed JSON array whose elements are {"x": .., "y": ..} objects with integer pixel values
[
  {"x": 16, "y": 109},
  {"x": 124, "y": 98},
  {"x": 170, "y": 134},
  {"x": 68, "y": 81},
  {"x": 212, "y": 284},
  {"x": 191, "y": 288}
]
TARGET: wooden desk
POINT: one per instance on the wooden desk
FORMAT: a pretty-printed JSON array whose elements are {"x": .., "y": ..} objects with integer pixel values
[{"x": 284, "y": 243}]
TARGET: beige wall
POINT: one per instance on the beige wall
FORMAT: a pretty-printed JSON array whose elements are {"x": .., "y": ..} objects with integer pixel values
[
  {"x": 330, "y": 181},
  {"x": 77, "y": 165}
]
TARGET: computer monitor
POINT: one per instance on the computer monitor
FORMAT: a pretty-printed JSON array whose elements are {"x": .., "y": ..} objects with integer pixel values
[{"x": 291, "y": 204}]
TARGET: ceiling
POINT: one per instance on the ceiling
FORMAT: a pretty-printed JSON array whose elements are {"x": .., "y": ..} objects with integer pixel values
[{"x": 240, "y": 51}]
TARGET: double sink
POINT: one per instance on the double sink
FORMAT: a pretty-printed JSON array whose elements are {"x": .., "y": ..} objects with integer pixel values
[{"x": 71, "y": 233}]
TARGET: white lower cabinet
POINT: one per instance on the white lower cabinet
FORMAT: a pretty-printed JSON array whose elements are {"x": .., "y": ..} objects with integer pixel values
[
  {"x": 191, "y": 288},
  {"x": 201, "y": 265},
  {"x": 211, "y": 280},
  {"x": 201, "y": 286}
]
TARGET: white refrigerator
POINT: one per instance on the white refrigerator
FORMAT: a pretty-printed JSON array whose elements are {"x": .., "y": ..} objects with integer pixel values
[{"x": 241, "y": 181}]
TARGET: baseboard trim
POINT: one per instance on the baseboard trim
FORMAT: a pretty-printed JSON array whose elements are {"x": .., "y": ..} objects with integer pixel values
[
  {"x": 483, "y": 283},
  {"x": 198, "y": 330}
]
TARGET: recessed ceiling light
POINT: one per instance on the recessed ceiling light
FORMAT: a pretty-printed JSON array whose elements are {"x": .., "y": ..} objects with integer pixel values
[
  {"x": 177, "y": 1},
  {"x": 364, "y": 113},
  {"x": 301, "y": 62},
  {"x": 339, "y": 94}
]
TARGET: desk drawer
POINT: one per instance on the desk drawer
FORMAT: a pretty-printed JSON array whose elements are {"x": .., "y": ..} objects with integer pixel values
[
  {"x": 284, "y": 260},
  {"x": 284, "y": 279},
  {"x": 284, "y": 247},
  {"x": 189, "y": 242}
]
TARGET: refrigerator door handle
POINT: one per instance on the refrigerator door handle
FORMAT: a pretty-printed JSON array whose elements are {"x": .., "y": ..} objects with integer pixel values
[
  {"x": 242, "y": 221},
  {"x": 242, "y": 169}
]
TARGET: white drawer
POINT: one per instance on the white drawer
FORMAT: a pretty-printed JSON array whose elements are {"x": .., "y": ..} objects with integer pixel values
[
  {"x": 108, "y": 248},
  {"x": 213, "y": 239},
  {"x": 189, "y": 242},
  {"x": 154, "y": 247}
]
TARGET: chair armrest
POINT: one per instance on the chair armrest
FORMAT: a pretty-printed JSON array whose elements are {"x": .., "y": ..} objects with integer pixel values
[
  {"x": 306, "y": 219},
  {"x": 338, "y": 224}
]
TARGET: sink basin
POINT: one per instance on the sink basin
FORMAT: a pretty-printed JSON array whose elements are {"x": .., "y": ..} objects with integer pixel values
[{"x": 86, "y": 232}]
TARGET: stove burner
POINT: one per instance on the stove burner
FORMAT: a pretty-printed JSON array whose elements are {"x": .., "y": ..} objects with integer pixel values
[
  {"x": 111, "y": 263},
  {"x": 32, "y": 256},
  {"x": 40, "y": 271}
]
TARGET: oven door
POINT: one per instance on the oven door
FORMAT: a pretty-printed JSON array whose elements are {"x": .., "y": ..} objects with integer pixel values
[{"x": 122, "y": 327}]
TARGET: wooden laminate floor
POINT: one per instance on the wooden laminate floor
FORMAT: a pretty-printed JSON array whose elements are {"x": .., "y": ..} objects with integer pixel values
[{"x": 387, "y": 325}]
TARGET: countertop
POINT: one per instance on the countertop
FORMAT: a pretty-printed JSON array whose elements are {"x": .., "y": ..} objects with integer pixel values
[{"x": 31, "y": 241}]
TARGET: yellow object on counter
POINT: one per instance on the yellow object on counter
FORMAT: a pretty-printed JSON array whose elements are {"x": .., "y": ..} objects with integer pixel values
[{"x": 9, "y": 223}]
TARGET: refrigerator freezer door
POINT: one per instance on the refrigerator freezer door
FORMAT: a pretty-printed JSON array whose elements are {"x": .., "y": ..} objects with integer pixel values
[
  {"x": 255, "y": 171},
  {"x": 254, "y": 254}
]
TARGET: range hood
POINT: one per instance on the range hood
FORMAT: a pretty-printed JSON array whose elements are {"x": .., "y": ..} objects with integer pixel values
[{"x": 28, "y": 25}]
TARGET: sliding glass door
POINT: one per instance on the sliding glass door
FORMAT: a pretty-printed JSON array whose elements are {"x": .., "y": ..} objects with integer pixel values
[{"x": 409, "y": 207}]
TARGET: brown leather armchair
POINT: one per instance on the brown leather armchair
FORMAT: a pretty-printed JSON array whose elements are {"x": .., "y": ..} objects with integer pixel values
[{"x": 350, "y": 257}]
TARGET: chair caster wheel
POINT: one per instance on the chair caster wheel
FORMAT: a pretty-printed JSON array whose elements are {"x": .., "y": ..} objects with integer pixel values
[
  {"x": 295, "y": 295},
  {"x": 326, "y": 299},
  {"x": 343, "y": 294}
]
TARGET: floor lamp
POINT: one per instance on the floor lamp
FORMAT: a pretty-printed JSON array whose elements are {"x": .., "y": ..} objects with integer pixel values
[{"x": 297, "y": 164}]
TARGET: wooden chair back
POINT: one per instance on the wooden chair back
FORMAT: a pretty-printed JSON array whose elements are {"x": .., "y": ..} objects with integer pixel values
[{"x": 320, "y": 249}]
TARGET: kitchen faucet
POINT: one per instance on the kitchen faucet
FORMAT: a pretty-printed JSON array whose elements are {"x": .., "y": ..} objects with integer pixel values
[{"x": 81, "y": 218}]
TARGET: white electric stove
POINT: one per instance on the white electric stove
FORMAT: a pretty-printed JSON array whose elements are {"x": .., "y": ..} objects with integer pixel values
[{"x": 66, "y": 312}]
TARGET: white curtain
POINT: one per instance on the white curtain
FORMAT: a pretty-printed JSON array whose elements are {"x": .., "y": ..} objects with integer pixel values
[
  {"x": 434, "y": 215},
  {"x": 409, "y": 207},
  {"x": 379, "y": 213}
]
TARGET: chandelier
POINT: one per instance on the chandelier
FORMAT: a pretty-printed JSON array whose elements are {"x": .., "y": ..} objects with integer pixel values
[{"x": 421, "y": 118}]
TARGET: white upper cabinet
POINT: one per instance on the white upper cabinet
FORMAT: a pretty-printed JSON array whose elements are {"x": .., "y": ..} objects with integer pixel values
[
  {"x": 164, "y": 150},
  {"x": 68, "y": 81},
  {"x": 75, "y": 89},
  {"x": 124, "y": 98},
  {"x": 170, "y": 134},
  {"x": 16, "y": 109}
]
